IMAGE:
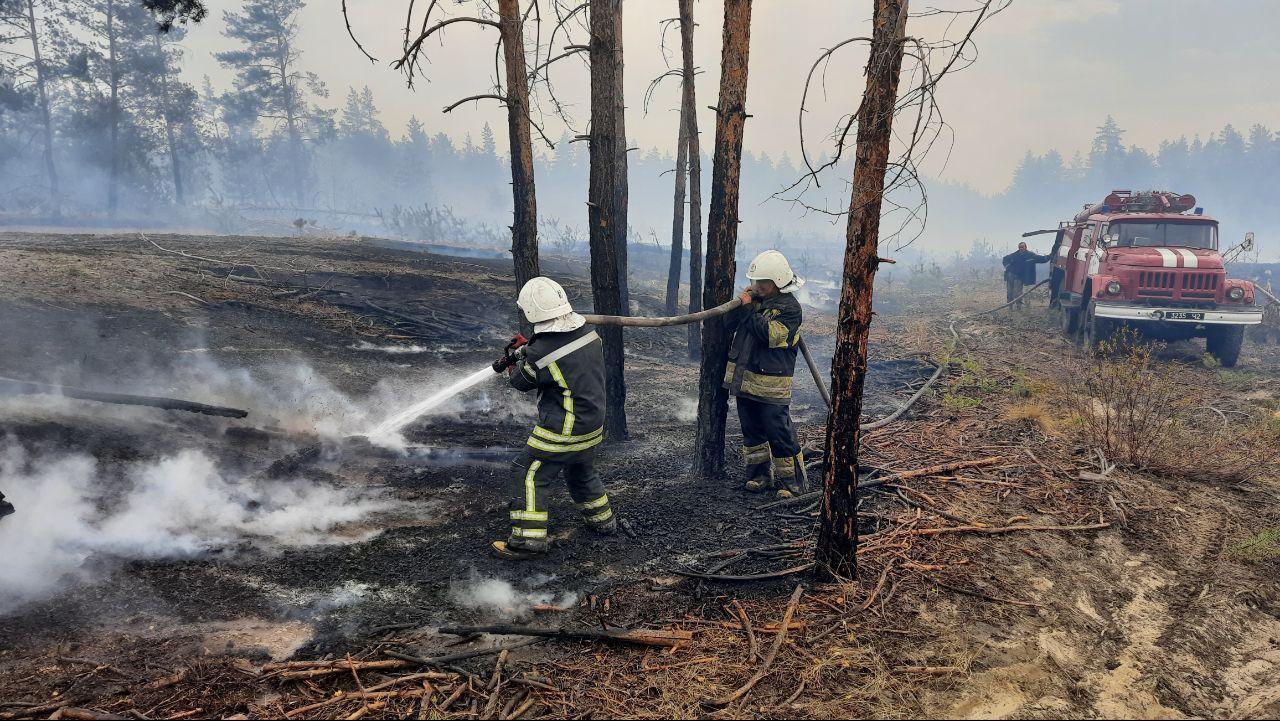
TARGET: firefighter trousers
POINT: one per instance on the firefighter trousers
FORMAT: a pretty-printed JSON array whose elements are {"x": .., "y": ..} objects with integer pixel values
[
  {"x": 769, "y": 446},
  {"x": 1014, "y": 288},
  {"x": 527, "y": 495}
]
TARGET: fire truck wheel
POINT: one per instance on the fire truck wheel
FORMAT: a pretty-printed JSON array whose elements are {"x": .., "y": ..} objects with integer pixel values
[
  {"x": 1096, "y": 330},
  {"x": 1223, "y": 343},
  {"x": 1069, "y": 318}
]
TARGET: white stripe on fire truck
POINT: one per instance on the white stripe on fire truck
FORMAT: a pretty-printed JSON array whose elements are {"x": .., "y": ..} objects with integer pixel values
[
  {"x": 1189, "y": 258},
  {"x": 1166, "y": 255}
]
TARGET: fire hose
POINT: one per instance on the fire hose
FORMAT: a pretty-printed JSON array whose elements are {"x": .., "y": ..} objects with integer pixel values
[{"x": 637, "y": 322}]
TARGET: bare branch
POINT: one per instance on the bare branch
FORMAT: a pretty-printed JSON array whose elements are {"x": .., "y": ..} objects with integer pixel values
[
  {"x": 483, "y": 96},
  {"x": 347, "y": 18}
]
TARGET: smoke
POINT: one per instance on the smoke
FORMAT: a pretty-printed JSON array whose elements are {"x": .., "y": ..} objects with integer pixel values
[
  {"x": 181, "y": 505},
  {"x": 501, "y": 598},
  {"x": 686, "y": 410}
]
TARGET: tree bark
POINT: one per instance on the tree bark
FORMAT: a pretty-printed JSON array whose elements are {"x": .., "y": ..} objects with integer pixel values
[
  {"x": 689, "y": 108},
  {"x": 524, "y": 228},
  {"x": 838, "y": 534},
  {"x": 677, "y": 215},
  {"x": 51, "y": 170},
  {"x": 606, "y": 218},
  {"x": 113, "y": 65},
  {"x": 722, "y": 240}
]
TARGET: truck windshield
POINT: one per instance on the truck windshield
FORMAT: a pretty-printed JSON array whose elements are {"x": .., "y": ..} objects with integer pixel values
[{"x": 1177, "y": 235}]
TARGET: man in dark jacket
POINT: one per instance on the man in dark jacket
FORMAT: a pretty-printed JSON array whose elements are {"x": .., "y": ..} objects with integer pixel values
[
  {"x": 1020, "y": 271},
  {"x": 564, "y": 363},
  {"x": 762, "y": 361}
]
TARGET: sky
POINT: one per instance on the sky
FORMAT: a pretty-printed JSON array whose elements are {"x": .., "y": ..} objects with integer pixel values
[{"x": 1047, "y": 72}]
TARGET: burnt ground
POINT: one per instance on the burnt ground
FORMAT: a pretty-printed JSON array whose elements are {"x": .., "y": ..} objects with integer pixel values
[{"x": 1151, "y": 616}]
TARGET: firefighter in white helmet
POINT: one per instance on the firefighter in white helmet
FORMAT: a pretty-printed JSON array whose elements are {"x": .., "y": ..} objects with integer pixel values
[
  {"x": 762, "y": 361},
  {"x": 564, "y": 363}
]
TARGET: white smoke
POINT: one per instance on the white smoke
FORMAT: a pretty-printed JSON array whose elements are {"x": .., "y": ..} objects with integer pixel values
[
  {"x": 181, "y": 505},
  {"x": 686, "y": 410},
  {"x": 504, "y": 600}
]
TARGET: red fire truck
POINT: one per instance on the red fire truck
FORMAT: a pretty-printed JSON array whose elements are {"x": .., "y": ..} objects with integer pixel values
[{"x": 1149, "y": 261}]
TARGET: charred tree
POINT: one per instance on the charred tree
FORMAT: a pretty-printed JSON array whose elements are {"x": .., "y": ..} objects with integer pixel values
[
  {"x": 677, "y": 215},
  {"x": 606, "y": 206},
  {"x": 689, "y": 109},
  {"x": 722, "y": 239},
  {"x": 524, "y": 229},
  {"x": 838, "y": 535},
  {"x": 515, "y": 96}
]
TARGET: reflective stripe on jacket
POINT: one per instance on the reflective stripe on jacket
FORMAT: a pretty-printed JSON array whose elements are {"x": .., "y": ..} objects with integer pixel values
[
  {"x": 762, "y": 353},
  {"x": 567, "y": 370}
]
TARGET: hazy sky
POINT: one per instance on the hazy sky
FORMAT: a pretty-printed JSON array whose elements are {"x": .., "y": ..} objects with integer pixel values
[{"x": 1048, "y": 72}]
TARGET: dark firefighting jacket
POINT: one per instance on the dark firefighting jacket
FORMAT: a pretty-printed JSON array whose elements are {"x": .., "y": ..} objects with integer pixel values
[
  {"x": 1021, "y": 264},
  {"x": 567, "y": 370},
  {"x": 762, "y": 353}
]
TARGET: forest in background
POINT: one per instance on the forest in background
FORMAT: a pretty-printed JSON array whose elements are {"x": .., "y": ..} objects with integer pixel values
[{"x": 99, "y": 127}]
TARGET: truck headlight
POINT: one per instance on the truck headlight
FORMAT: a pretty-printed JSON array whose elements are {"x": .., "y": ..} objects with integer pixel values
[
  {"x": 1113, "y": 287},
  {"x": 1236, "y": 293}
]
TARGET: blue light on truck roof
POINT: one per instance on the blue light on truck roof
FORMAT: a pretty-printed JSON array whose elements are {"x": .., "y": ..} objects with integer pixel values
[{"x": 1199, "y": 211}]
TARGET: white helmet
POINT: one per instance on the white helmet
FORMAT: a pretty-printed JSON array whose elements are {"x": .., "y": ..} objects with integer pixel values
[
  {"x": 543, "y": 299},
  {"x": 772, "y": 265}
]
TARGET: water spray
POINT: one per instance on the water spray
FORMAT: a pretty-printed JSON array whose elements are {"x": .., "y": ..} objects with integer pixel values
[{"x": 515, "y": 350}]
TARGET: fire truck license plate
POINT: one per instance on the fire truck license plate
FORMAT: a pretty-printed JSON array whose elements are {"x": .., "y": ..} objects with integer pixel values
[{"x": 1183, "y": 315}]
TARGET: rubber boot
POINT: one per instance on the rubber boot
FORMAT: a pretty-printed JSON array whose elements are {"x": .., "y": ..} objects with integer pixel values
[
  {"x": 608, "y": 528},
  {"x": 506, "y": 551},
  {"x": 759, "y": 479}
]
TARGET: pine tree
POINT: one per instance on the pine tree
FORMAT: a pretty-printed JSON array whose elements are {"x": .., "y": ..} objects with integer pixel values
[
  {"x": 270, "y": 84},
  {"x": 28, "y": 29},
  {"x": 488, "y": 145}
]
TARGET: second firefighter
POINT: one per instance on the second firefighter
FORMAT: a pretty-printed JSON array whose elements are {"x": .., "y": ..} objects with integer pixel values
[{"x": 762, "y": 362}]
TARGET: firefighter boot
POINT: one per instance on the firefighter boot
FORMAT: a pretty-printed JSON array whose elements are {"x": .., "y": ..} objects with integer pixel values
[
  {"x": 597, "y": 513},
  {"x": 790, "y": 475},
  {"x": 524, "y": 550},
  {"x": 757, "y": 460}
]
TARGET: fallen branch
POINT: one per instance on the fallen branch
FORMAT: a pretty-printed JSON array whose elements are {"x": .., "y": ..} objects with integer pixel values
[
  {"x": 891, "y": 478},
  {"x": 17, "y": 387},
  {"x": 768, "y": 660},
  {"x": 752, "y": 648},
  {"x": 441, "y": 661},
  {"x": 353, "y": 695},
  {"x": 658, "y": 637},
  {"x": 751, "y": 577},
  {"x": 1001, "y": 529}
]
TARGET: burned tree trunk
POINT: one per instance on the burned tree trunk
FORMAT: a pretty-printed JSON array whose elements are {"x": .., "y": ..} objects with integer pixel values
[
  {"x": 524, "y": 229},
  {"x": 677, "y": 215},
  {"x": 689, "y": 108},
  {"x": 722, "y": 240},
  {"x": 606, "y": 206},
  {"x": 838, "y": 536}
]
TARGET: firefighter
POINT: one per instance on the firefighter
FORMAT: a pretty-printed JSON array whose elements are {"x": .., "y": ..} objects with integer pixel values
[
  {"x": 762, "y": 361},
  {"x": 5, "y": 507},
  {"x": 564, "y": 363},
  {"x": 1020, "y": 271}
]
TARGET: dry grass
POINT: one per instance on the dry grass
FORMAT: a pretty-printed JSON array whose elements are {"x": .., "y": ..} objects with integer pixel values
[{"x": 1035, "y": 414}]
